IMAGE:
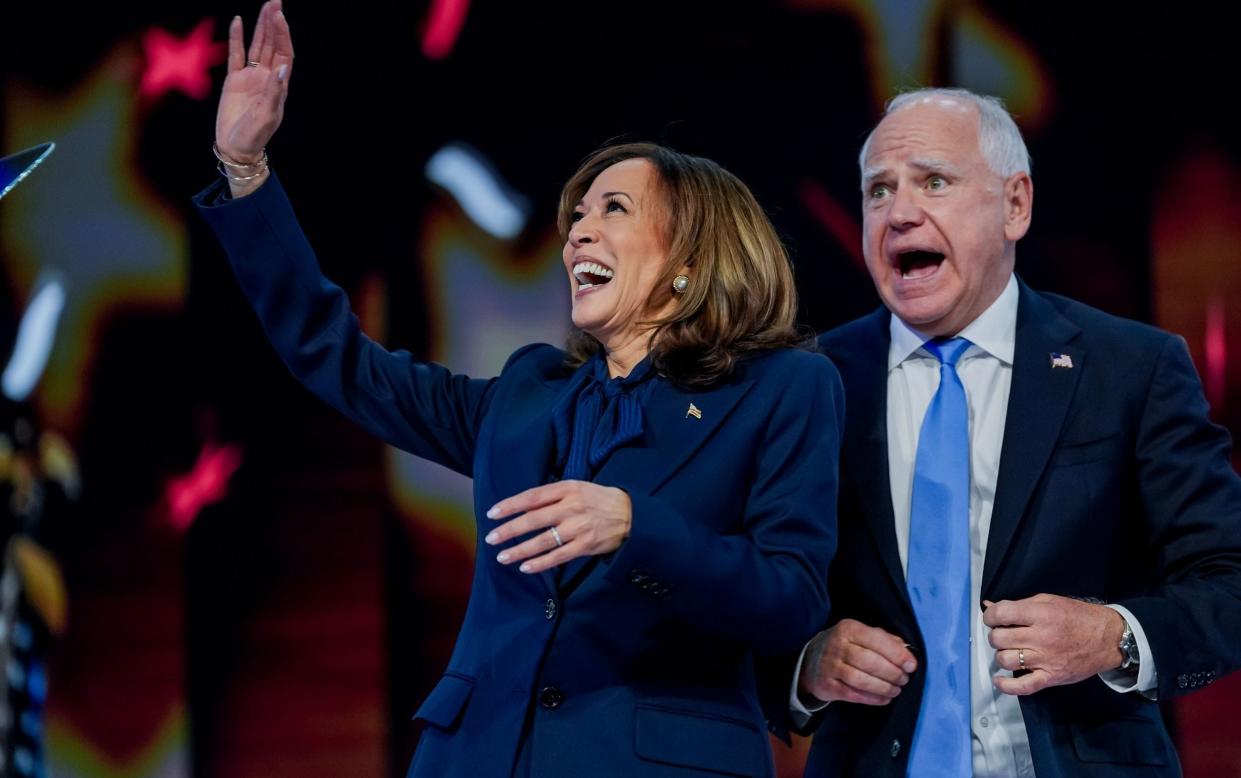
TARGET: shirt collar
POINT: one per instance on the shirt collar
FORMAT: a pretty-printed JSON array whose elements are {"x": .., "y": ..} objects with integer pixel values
[
  {"x": 994, "y": 331},
  {"x": 637, "y": 374}
]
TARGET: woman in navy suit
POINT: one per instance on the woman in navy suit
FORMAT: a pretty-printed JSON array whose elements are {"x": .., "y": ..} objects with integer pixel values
[{"x": 655, "y": 503}]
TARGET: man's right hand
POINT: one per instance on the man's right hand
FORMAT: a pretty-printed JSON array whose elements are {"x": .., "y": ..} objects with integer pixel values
[{"x": 852, "y": 662}]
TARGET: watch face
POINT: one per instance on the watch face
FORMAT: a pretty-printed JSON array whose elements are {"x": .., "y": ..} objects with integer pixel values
[{"x": 1129, "y": 648}]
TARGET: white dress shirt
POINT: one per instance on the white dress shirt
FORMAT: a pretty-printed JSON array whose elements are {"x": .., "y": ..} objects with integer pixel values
[{"x": 1001, "y": 746}]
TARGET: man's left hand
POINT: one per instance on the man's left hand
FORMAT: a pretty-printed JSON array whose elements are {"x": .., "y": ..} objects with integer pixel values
[{"x": 1062, "y": 641}]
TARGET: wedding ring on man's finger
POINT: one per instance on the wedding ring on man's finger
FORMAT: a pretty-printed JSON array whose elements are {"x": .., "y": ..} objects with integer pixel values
[
  {"x": 1021, "y": 658},
  {"x": 556, "y": 536},
  {"x": 252, "y": 64}
]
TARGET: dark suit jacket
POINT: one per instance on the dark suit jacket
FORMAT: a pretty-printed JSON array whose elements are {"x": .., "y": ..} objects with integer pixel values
[
  {"x": 643, "y": 664},
  {"x": 1112, "y": 484}
]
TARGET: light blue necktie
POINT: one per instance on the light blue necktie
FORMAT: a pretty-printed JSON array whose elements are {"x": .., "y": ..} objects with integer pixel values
[{"x": 938, "y": 573}]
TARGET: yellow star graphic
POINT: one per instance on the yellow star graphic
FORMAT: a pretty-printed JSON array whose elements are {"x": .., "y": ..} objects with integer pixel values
[{"x": 88, "y": 213}]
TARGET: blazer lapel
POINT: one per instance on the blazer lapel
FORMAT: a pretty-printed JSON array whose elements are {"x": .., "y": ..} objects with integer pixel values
[
  {"x": 1037, "y": 405},
  {"x": 671, "y": 435},
  {"x": 672, "y": 432},
  {"x": 527, "y": 449},
  {"x": 861, "y": 355}
]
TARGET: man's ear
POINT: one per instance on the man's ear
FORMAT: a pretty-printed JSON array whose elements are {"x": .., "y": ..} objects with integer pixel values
[{"x": 1018, "y": 205}]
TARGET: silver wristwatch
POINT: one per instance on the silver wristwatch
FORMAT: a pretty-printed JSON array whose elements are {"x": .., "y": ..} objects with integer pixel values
[{"x": 1129, "y": 650}]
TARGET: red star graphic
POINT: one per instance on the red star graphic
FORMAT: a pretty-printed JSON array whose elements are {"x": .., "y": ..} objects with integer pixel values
[
  {"x": 173, "y": 63},
  {"x": 207, "y": 483},
  {"x": 443, "y": 26}
]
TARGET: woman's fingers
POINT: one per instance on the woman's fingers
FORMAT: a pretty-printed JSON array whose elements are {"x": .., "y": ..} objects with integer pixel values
[
  {"x": 260, "y": 32},
  {"x": 274, "y": 92},
  {"x": 558, "y": 537},
  {"x": 590, "y": 519},
  {"x": 556, "y": 555},
  {"x": 540, "y": 518},
  {"x": 541, "y": 551},
  {"x": 236, "y": 45},
  {"x": 283, "y": 56},
  {"x": 539, "y": 543},
  {"x": 534, "y": 497},
  {"x": 268, "y": 49}
]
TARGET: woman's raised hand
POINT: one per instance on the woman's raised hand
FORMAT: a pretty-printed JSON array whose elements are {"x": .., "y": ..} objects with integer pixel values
[{"x": 252, "y": 101}]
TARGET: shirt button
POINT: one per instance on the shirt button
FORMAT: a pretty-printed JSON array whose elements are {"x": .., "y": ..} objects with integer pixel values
[
  {"x": 550, "y": 697},
  {"x": 984, "y": 722},
  {"x": 549, "y": 610},
  {"x": 895, "y": 750}
]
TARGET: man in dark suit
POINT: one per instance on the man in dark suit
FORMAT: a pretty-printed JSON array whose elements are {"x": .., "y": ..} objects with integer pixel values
[{"x": 1040, "y": 530}]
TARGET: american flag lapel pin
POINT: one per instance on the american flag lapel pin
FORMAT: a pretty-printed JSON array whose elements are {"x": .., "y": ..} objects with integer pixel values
[
  {"x": 693, "y": 411},
  {"x": 1061, "y": 360}
]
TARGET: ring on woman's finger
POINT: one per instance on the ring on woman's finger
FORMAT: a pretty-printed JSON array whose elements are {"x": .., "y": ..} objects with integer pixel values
[
  {"x": 556, "y": 536},
  {"x": 252, "y": 64},
  {"x": 1021, "y": 659}
]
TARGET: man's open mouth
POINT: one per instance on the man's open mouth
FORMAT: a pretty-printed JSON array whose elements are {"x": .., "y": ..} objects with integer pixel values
[
  {"x": 590, "y": 274},
  {"x": 919, "y": 264}
]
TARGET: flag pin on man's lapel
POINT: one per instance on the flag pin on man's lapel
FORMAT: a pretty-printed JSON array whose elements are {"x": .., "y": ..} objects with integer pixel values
[
  {"x": 693, "y": 411},
  {"x": 1061, "y": 360}
]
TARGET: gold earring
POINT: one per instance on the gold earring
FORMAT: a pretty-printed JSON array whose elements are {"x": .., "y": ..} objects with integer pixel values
[{"x": 680, "y": 284}]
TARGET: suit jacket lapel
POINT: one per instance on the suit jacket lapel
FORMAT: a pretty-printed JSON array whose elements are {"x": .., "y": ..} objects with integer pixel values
[
  {"x": 671, "y": 433},
  {"x": 861, "y": 355},
  {"x": 1037, "y": 404},
  {"x": 527, "y": 450},
  {"x": 670, "y": 436}
]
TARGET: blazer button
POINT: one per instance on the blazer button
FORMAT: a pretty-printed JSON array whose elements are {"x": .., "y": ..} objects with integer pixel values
[
  {"x": 549, "y": 610},
  {"x": 895, "y": 750},
  {"x": 550, "y": 697}
]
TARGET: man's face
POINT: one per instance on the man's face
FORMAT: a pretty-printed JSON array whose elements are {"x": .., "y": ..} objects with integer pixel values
[{"x": 939, "y": 224}]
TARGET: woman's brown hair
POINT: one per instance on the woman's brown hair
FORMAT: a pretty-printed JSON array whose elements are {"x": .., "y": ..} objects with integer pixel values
[{"x": 741, "y": 296}]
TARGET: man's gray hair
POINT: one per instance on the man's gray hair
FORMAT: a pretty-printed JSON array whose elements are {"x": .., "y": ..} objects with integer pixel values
[{"x": 999, "y": 139}]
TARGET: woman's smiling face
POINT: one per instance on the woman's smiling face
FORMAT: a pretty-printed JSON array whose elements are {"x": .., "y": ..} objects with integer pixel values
[{"x": 616, "y": 252}]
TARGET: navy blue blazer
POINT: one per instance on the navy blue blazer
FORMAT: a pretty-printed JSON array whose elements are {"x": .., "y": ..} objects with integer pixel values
[
  {"x": 646, "y": 665},
  {"x": 1113, "y": 484}
]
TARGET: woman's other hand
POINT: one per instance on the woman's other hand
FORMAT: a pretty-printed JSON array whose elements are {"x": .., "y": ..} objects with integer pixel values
[
  {"x": 252, "y": 100},
  {"x": 571, "y": 519}
]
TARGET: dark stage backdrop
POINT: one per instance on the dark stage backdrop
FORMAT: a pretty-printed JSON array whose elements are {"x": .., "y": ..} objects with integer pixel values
[{"x": 254, "y": 587}]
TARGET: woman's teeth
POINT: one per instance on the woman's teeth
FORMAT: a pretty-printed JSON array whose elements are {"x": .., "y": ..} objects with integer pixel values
[{"x": 590, "y": 274}]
